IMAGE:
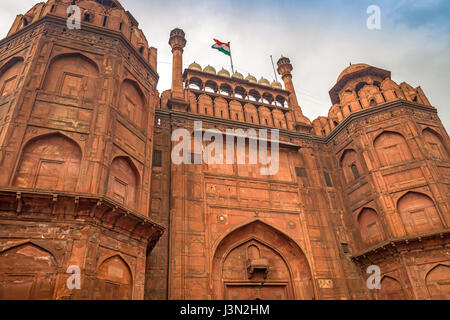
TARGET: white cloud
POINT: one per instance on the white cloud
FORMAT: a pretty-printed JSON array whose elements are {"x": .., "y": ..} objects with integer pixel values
[{"x": 319, "y": 42}]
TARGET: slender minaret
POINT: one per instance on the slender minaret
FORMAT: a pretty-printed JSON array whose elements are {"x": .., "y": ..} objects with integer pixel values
[
  {"x": 177, "y": 42},
  {"x": 284, "y": 69}
]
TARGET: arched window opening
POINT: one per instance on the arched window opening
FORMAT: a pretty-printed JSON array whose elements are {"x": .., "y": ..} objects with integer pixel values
[
  {"x": 87, "y": 17},
  {"x": 226, "y": 90},
  {"x": 348, "y": 162},
  {"x": 373, "y": 103},
  {"x": 211, "y": 86},
  {"x": 195, "y": 83},
  {"x": 267, "y": 98},
  {"x": 240, "y": 92},
  {"x": 254, "y": 95},
  {"x": 355, "y": 171},
  {"x": 359, "y": 86}
]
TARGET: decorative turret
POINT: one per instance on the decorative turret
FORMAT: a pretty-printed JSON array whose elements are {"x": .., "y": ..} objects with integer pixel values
[
  {"x": 224, "y": 73},
  {"x": 238, "y": 75}
]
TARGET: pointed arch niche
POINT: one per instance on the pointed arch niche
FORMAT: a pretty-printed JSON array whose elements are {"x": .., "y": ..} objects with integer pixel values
[
  {"x": 418, "y": 213},
  {"x": 27, "y": 272},
  {"x": 9, "y": 74},
  {"x": 434, "y": 141},
  {"x": 49, "y": 162},
  {"x": 255, "y": 253},
  {"x": 391, "y": 289},
  {"x": 114, "y": 280},
  {"x": 391, "y": 148},
  {"x": 438, "y": 282},
  {"x": 72, "y": 75},
  {"x": 123, "y": 182}
]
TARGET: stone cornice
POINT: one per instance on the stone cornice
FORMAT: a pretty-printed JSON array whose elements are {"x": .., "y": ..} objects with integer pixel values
[
  {"x": 292, "y": 134},
  {"x": 101, "y": 210},
  {"x": 397, "y": 245}
]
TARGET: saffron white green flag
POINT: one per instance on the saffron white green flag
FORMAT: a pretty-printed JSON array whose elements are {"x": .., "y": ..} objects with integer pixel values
[{"x": 222, "y": 47}]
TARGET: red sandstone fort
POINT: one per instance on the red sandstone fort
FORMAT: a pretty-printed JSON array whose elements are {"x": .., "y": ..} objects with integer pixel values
[{"x": 86, "y": 177}]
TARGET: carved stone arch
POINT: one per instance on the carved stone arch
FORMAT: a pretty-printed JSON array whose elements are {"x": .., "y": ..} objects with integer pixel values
[
  {"x": 114, "y": 279},
  {"x": 195, "y": 81},
  {"x": 240, "y": 92},
  {"x": 72, "y": 74},
  {"x": 124, "y": 182},
  {"x": 132, "y": 103},
  {"x": 437, "y": 281},
  {"x": 438, "y": 150},
  {"x": 418, "y": 213},
  {"x": 254, "y": 95},
  {"x": 211, "y": 86},
  {"x": 9, "y": 74},
  {"x": 350, "y": 164},
  {"x": 391, "y": 148},
  {"x": 50, "y": 161},
  {"x": 370, "y": 226},
  {"x": 43, "y": 247},
  {"x": 359, "y": 86},
  {"x": 226, "y": 88},
  {"x": 281, "y": 260},
  {"x": 391, "y": 289},
  {"x": 27, "y": 271}
]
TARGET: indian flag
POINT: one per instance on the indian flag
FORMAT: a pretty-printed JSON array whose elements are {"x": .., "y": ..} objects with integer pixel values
[{"x": 222, "y": 47}]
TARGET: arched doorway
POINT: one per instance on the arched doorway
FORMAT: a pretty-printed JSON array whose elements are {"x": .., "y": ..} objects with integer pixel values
[
  {"x": 438, "y": 282},
  {"x": 256, "y": 261},
  {"x": 27, "y": 272}
]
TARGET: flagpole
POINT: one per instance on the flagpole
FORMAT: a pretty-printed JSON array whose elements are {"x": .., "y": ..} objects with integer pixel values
[
  {"x": 273, "y": 66},
  {"x": 231, "y": 58}
]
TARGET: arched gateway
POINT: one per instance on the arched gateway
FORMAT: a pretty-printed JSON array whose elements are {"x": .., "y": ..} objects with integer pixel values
[{"x": 256, "y": 261}]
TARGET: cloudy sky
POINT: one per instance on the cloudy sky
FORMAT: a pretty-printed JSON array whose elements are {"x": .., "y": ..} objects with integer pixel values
[{"x": 320, "y": 37}]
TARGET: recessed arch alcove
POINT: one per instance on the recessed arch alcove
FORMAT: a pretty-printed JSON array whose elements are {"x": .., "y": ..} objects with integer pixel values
[{"x": 258, "y": 253}]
